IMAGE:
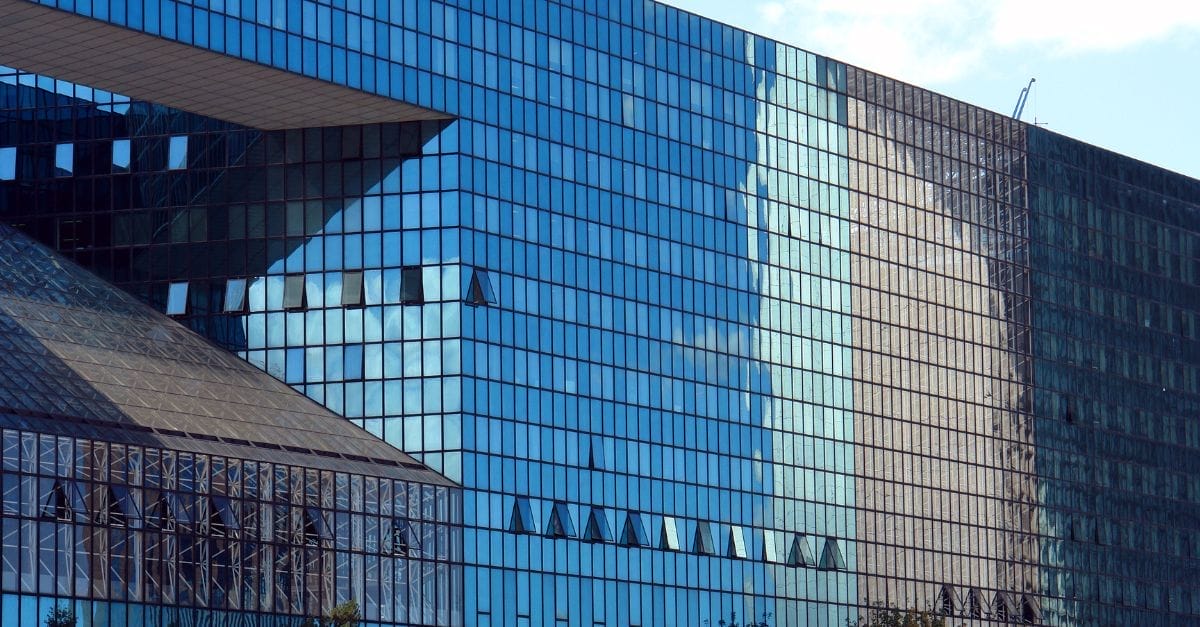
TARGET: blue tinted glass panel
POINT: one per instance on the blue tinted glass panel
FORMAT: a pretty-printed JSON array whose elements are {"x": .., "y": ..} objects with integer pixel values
[
  {"x": 178, "y": 153},
  {"x": 120, "y": 155},
  {"x": 8, "y": 163},
  {"x": 64, "y": 159},
  {"x": 177, "y": 296}
]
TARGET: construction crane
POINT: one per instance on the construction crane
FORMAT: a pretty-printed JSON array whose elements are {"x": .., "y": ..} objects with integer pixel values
[{"x": 1021, "y": 100}]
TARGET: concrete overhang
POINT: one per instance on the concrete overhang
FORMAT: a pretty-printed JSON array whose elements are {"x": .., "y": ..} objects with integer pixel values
[{"x": 43, "y": 40}]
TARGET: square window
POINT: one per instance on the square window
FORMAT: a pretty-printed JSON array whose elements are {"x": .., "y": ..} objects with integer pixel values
[
  {"x": 235, "y": 295},
  {"x": 412, "y": 291},
  {"x": 177, "y": 156},
  {"x": 64, "y": 159},
  {"x": 352, "y": 289},
  {"x": 120, "y": 155},
  {"x": 177, "y": 299}
]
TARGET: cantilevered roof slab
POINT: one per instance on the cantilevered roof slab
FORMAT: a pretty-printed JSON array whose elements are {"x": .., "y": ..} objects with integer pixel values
[{"x": 43, "y": 40}]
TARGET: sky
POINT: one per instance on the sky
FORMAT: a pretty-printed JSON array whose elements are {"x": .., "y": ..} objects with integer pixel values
[{"x": 1120, "y": 75}]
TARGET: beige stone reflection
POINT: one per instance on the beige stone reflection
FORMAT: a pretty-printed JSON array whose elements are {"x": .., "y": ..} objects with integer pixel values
[{"x": 944, "y": 457}]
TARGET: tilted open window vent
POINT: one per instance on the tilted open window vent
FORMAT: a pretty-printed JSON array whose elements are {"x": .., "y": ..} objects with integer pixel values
[
  {"x": 521, "y": 520},
  {"x": 831, "y": 556},
  {"x": 560, "y": 524},
  {"x": 479, "y": 288},
  {"x": 702, "y": 542},
  {"x": 634, "y": 532},
  {"x": 800, "y": 553},
  {"x": 597, "y": 529}
]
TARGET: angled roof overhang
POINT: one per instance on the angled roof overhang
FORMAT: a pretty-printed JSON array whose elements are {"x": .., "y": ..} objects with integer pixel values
[{"x": 67, "y": 46}]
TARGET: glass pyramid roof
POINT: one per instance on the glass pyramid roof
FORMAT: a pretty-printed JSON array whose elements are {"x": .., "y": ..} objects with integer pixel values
[{"x": 79, "y": 356}]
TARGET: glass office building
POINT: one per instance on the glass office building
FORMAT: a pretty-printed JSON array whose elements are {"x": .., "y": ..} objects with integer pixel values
[{"x": 703, "y": 324}]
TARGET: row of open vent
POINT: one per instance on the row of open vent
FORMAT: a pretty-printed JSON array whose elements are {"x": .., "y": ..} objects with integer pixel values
[
  {"x": 560, "y": 524},
  {"x": 1004, "y": 606},
  {"x": 412, "y": 291},
  {"x": 214, "y": 516}
]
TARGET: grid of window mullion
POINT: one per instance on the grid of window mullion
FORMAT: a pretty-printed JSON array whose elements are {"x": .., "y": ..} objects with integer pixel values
[{"x": 195, "y": 510}]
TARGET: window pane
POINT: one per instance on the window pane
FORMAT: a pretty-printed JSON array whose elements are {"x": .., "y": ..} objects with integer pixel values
[
  {"x": 8, "y": 163},
  {"x": 411, "y": 285},
  {"x": 293, "y": 292},
  {"x": 177, "y": 299},
  {"x": 177, "y": 160},
  {"x": 120, "y": 155},
  {"x": 352, "y": 289},
  {"x": 64, "y": 159},
  {"x": 235, "y": 295}
]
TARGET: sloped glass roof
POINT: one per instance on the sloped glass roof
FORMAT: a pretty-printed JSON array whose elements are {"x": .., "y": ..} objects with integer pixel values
[{"x": 79, "y": 356}]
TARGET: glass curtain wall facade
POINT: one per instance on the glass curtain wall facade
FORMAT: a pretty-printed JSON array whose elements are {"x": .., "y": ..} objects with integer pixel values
[{"x": 704, "y": 324}]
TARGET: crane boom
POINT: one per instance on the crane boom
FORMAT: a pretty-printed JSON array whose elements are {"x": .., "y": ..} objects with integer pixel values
[{"x": 1021, "y": 100}]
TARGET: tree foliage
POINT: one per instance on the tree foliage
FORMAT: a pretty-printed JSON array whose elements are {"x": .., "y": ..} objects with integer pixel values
[
  {"x": 733, "y": 621},
  {"x": 345, "y": 615},
  {"x": 61, "y": 616},
  {"x": 895, "y": 617},
  {"x": 342, "y": 615}
]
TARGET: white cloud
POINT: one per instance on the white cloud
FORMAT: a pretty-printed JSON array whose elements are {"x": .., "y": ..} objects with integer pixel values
[{"x": 937, "y": 41}]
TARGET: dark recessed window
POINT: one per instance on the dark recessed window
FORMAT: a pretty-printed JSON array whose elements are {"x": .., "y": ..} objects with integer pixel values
[
  {"x": 235, "y": 295},
  {"x": 64, "y": 159},
  {"x": 293, "y": 291},
  {"x": 352, "y": 289},
  {"x": 412, "y": 289},
  {"x": 177, "y": 296},
  {"x": 479, "y": 289},
  {"x": 177, "y": 153}
]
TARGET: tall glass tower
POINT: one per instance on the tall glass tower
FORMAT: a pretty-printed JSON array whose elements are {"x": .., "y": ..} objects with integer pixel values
[{"x": 705, "y": 325}]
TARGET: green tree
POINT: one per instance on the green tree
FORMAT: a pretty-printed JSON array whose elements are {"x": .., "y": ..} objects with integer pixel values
[
  {"x": 342, "y": 615},
  {"x": 733, "y": 621},
  {"x": 895, "y": 617},
  {"x": 61, "y": 616},
  {"x": 345, "y": 615}
]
